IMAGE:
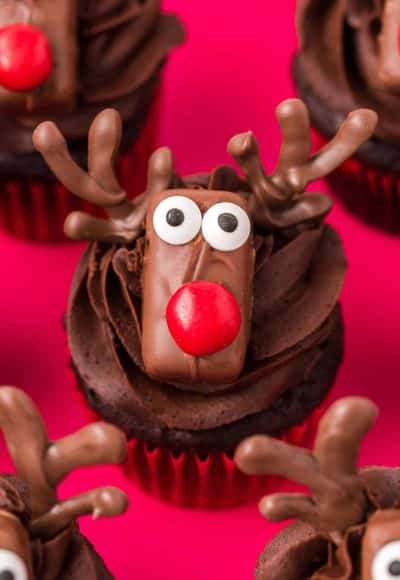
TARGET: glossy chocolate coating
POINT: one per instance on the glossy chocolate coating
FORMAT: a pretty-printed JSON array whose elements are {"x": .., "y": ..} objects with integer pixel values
[{"x": 166, "y": 269}]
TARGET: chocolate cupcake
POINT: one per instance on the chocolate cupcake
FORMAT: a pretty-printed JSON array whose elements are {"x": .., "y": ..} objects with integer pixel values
[
  {"x": 349, "y": 528},
  {"x": 39, "y": 534},
  {"x": 349, "y": 57},
  {"x": 66, "y": 61},
  {"x": 206, "y": 310}
]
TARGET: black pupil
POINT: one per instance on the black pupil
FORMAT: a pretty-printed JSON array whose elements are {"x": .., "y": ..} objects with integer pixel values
[
  {"x": 394, "y": 568},
  {"x": 175, "y": 217},
  {"x": 7, "y": 575},
  {"x": 227, "y": 222}
]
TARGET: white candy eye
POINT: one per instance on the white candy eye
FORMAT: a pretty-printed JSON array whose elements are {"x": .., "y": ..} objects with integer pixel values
[
  {"x": 12, "y": 567},
  {"x": 226, "y": 226},
  {"x": 177, "y": 220},
  {"x": 386, "y": 563}
]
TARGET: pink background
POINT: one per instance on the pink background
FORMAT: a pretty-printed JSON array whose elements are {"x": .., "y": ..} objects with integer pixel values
[{"x": 227, "y": 79}]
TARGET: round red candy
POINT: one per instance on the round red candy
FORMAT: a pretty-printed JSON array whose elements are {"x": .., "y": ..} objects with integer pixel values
[
  {"x": 25, "y": 57},
  {"x": 203, "y": 318}
]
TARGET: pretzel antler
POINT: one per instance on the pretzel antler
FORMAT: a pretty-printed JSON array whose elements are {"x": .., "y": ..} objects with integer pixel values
[
  {"x": 338, "y": 500},
  {"x": 100, "y": 185},
  {"x": 279, "y": 200},
  {"x": 44, "y": 464}
]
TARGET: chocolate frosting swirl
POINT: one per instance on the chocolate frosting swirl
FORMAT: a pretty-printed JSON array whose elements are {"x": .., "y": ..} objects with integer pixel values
[
  {"x": 349, "y": 57},
  {"x": 298, "y": 278},
  {"x": 121, "y": 46},
  {"x": 300, "y": 552}
]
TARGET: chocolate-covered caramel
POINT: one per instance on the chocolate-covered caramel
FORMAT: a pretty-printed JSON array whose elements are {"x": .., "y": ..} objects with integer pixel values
[
  {"x": 349, "y": 527},
  {"x": 39, "y": 536},
  {"x": 166, "y": 269},
  {"x": 258, "y": 240}
]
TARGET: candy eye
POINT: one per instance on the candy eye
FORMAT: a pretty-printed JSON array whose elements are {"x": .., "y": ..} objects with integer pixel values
[
  {"x": 12, "y": 567},
  {"x": 177, "y": 220},
  {"x": 386, "y": 564},
  {"x": 226, "y": 226}
]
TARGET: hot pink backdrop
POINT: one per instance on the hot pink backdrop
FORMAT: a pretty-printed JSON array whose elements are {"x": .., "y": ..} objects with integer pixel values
[{"x": 227, "y": 79}]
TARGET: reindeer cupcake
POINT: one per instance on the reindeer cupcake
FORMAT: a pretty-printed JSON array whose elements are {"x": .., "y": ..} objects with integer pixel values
[
  {"x": 66, "y": 60},
  {"x": 349, "y": 57},
  {"x": 39, "y": 534},
  {"x": 207, "y": 309},
  {"x": 349, "y": 527}
]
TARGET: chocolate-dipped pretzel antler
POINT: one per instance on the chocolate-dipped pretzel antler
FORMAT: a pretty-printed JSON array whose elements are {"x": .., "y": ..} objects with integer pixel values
[
  {"x": 338, "y": 500},
  {"x": 279, "y": 200},
  {"x": 99, "y": 185},
  {"x": 43, "y": 464}
]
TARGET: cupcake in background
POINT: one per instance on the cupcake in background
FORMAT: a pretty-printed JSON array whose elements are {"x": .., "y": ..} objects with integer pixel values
[
  {"x": 207, "y": 309},
  {"x": 66, "y": 61},
  {"x": 40, "y": 537},
  {"x": 349, "y": 527},
  {"x": 349, "y": 57}
]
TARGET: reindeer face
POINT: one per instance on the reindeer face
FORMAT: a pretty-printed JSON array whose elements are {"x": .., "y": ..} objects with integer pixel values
[
  {"x": 15, "y": 549},
  {"x": 377, "y": 23},
  {"x": 198, "y": 276},
  {"x": 38, "y": 54},
  {"x": 381, "y": 546}
]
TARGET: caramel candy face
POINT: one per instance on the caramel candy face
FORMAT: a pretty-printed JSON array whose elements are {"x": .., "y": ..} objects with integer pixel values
[
  {"x": 15, "y": 548},
  {"x": 58, "y": 22},
  {"x": 202, "y": 237},
  {"x": 381, "y": 546}
]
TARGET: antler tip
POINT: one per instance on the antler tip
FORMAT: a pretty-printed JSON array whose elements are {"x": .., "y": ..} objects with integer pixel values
[
  {"x": 114, "y": 437},
  {"x": 106, "y": 121},
  {"x": 242, "y": 144},
  {"x": 289, "y": 107},
  {"x": 9, "y": 395},
  {"x": 266, "y": 507},
  {"x": 47, "y": 136},
  {"x": 110, "y": 502},
  {"x": 247, "y": 455},
  {"x": 363, "y": 122},
  {"x": 72, "y": 225},
  {"x": 354, "y": 406},
  {"x": 161, "y": 162}
]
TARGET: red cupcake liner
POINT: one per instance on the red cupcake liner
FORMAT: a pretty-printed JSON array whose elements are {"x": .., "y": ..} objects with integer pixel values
[
  {"x": 367, "y": 191},
  {"x": 189, "y": 481},
  {"x": 36, "y": 210},
  {"x": 186, "y": 480}
]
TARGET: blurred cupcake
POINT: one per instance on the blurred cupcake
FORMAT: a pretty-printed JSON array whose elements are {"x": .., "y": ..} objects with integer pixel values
[
  {"x": 349, "y": 527},
  {"x": 207, "y": 309},
  {"x": 349, "y": 57},
  {"x": 40, "y": 537},
  {"x": 66, "y": 61}
]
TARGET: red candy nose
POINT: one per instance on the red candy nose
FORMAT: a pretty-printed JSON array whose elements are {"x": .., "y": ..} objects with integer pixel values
[
  {"x": 25, "y": 57},
  {"x": 203, "y": 318}
]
